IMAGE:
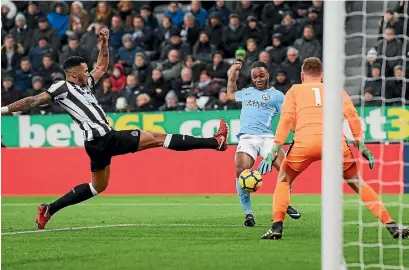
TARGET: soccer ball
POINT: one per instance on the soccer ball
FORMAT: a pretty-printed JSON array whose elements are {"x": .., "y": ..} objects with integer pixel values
[{"x": 250, "y": 180}]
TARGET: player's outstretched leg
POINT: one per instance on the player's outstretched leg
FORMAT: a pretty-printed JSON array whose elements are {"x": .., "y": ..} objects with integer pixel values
[
  {"x": 178, "y": 142},
  {"x": 243, "y": 162},
  {"x": 374, "y": 204},
  {"x": 76, "y": 195}
]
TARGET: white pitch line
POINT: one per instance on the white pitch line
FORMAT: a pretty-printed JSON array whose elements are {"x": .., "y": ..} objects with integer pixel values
[
  {"x": 119, "y": 225},
  {"x": 160, "y": 204}
]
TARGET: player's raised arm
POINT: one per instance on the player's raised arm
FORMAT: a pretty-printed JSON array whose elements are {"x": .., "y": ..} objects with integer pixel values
[
  {"x": 287, "y": 118},
  {"x": 232, "y": 77},
  {"x": 354, "y": 123},
  {"x": 103, "y": 56},
  {"x": 27, "y": 103}
]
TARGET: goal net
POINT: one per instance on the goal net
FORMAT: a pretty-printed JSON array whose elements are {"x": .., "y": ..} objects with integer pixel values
[{"x": 376, "y": 77}]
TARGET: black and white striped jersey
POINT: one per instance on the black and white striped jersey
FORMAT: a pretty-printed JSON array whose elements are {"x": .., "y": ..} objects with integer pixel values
[{"x": 79, "y": 102}]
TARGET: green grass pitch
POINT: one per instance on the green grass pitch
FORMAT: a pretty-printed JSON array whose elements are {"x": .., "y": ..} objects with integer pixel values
[{"x": 187, "y": 232}]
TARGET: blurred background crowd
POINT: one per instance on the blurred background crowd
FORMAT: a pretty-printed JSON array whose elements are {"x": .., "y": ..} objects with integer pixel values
[{"x": 174, "y": 56}]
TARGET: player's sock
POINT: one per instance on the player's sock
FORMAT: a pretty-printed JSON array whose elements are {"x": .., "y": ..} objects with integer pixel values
[
  {"x": 78, "y": 194},
  {"x": 185, "y": 142},
  {"x": 374, "y": 204},
  {"x": 244, "y": 197},
  {"x": 281, "y": 201}
]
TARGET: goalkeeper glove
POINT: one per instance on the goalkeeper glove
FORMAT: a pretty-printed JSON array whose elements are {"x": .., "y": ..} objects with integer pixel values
[
  {"x": 267, "y": 163},
  {"x": 366, "y": 153}
]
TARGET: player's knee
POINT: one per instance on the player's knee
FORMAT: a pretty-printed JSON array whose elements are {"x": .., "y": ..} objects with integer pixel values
[
  {"x": 239, "y": 170},
  {"x": 158, "y": 139},
  {"x": 100, "y": 186}
]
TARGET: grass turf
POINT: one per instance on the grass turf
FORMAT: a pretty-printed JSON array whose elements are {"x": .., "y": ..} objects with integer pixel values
[{"x": 186, "y": 232}]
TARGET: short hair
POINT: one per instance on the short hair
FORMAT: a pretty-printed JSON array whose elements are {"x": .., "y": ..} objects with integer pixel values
[
  {"x": 312, "y": 66},
  {"x": 189, "y": 16},
  {"x": 309, "y": 26},
  {"x": 48, "y": 55},
  {"x": 138, "y": 17},
  {"x": 218, "y": 53},
  {"x": 259, "y": 64},
  {"x": 8, "y": 36},
  {"x": 72, "y": 61},
  {"x": 390, "y": 27}
]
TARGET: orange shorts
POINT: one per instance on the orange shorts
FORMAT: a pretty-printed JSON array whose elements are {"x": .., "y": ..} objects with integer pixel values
[{"x": 299, "y": 158}]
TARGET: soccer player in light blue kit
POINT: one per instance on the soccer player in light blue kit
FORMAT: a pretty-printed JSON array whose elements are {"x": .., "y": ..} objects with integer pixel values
[{"x": 260, "y": 104}]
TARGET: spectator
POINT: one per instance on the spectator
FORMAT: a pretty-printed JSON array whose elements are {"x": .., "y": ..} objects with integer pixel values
[
  {"x": 171, "y": 103},
  {"x": 157, "y": 88},
  {"x": 199, "y": 13},
  {"x": 118, "y": 78},
  {"x": 116, "y": 32},
  {"x": 132, "y": 88},
  {"x": 175, "y": 13},
  {"x": 141, "y": 69},
  {"x": 370, "y": 60},
  {"x": 21, "y": 33},
  {"x": 121, "y": 105},
  {"x": 206, "y": 86},
  {"x": 191, "y": 104},
  {"x": 245, "y": 9},
  {"x": 126, "y": 54},
  {"x": 220, "y": 8},
  {"x": 215, "y": 30},
  {"x": 223, "y": 103},
  {"x": 281, "y": 82},
  {"x": 36, "y": 85},
  {"x": 48, "y": 70},
  {"x": 244, "y": 74},
  {"x": 58, "y": 17},
  {"x": 272, "y": 14},
  {"x": 277, "y": 51},
  {"x": 300, "y": 9},
  {"x": 142, "y": 35},
  {"x": 196, "y": 67},
  {"x": 318, "y": 6},
  {"x": 289, "y": 30},
  {"x": 172, "y": 66},
  {"x": 315, "y": 21},
  {"x": 202, "y": 50},
  {"x": 36, "y": 54},
  {"x": 8, "y": 12},
  {"x": 149, "y": 19},
  {"x": 392, "y": 21},
  {"x": 252, "y": 51},
  {"x": 272, "y": 67},
  {"x": 44, "y": 30},
  {"x": 218, "y": 69},
  {"x": 33, "y": 14},
  {"x": 397, "y": 91},
  {"x": 189, "y": 31},
  {"x": 232, "y": 37},
  {"x": 183, "y": 85},
  {"x": 390, "y": 46},
  {"x": 72, "y": 49},
  {"x": 256, "y": 31},
  {"x": 162, "y": 33},
  {"x": 125, "y": 13},
  {"x": 11, "y": 54},
  {"x": 79, "y": 19},
  {"x": 176, "y": 44},
  {"x": 292, "y": 65},
  {"x": 105, "y": 96},
  {"x": 9, "y": 94},
  {"x": 373, "y": 87},
  {"x": 403, "y": 11},
  {"x": 143, "y": 103},
  {"x": 24, "y": 75},
  {"x": 89, "y": 40},
  {"x": 308, "y": 46},
  {"x": 102, "y": 13}
]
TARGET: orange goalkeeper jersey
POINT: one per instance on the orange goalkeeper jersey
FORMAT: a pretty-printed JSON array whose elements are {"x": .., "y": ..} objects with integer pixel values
[{"x": 302, "y": 111}]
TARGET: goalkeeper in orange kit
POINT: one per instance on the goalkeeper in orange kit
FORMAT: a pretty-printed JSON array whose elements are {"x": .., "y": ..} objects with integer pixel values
[{"x": 302, "y": 109}]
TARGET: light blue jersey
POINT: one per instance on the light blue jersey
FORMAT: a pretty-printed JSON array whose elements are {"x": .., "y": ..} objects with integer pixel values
[{"x": 258, "y": 110}]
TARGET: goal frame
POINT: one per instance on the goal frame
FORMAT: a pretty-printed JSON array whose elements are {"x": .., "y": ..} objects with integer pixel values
[{"x": 332, "y": 180}]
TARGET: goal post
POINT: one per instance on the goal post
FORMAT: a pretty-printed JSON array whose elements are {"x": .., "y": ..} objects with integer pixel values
[{"x": 332, "y": 201}]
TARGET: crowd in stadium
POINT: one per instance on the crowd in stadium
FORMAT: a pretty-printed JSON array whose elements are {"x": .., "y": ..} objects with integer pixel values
[{"x": 172, "y": 59}]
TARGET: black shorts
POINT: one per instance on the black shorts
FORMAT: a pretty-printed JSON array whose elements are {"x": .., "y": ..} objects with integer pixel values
[{"x": 114, "y": 143}]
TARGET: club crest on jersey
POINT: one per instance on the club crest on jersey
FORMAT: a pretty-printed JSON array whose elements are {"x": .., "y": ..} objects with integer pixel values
[
  {"x": 135, "y": 133},
  {"x": 266, "y": 96},
  {"x": 90, "y": 98}
]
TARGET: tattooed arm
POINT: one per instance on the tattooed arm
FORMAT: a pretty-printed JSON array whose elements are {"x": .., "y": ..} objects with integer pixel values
[
  {"x": 103, "y": 56},
  {"x": 27, "y": 103},
  {"x": 232, "y": 77}
]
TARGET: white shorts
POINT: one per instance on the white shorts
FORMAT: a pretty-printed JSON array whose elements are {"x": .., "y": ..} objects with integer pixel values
[{"x": 255, "y": 145}]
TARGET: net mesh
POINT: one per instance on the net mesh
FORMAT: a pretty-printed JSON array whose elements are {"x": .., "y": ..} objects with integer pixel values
[{"x": 385, "y": 117}]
